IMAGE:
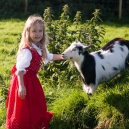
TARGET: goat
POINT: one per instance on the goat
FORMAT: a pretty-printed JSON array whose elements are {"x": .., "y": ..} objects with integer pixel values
[{"x": 98, "y": 66}]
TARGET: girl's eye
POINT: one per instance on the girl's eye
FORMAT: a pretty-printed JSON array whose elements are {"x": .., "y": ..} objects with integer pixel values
[{"x": 33, "y": 30}]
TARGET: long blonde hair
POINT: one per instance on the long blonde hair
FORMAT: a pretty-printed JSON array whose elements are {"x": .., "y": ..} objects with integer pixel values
[{"x": 26, "y": 41}]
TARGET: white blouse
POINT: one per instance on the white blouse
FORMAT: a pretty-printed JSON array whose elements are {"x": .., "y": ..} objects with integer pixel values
[{"x": 24, "y": 57}]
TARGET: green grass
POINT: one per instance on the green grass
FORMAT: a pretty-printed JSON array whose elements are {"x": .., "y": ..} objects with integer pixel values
[
  {"x": 115, "y": 30},
  {"x": 73, "y": 109}
]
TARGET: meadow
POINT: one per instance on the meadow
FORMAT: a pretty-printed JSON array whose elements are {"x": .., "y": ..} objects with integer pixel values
[{"x": 108, "y": 108}]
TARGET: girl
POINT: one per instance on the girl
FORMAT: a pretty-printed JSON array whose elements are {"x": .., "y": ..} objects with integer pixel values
[{"x": 26, "y": 104}]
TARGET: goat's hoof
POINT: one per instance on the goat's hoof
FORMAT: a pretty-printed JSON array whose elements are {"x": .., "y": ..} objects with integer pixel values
[{"x": 90, "y": 94}]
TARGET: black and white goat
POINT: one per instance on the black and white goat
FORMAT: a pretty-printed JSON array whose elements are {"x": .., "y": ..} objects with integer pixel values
[{"x": 98, "y": 66}]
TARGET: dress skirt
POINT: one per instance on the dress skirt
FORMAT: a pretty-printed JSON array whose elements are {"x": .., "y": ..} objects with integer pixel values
[{"x": 30, "y": 112}]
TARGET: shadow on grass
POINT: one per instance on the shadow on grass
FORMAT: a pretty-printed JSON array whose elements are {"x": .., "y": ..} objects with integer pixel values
[
  {"x": 77, "y": 121},
  {"x": 73, "y": 112},
  {"x": 120, "y": 102}
]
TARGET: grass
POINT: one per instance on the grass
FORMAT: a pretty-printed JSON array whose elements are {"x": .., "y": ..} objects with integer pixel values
[
  {"x": 73, "y": 109},
  {"x": 115, "y": 30}
]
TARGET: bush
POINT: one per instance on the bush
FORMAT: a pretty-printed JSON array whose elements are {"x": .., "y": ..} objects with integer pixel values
[{"x": 61, "y": 36}]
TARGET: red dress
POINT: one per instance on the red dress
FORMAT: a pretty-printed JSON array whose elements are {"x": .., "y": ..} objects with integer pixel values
[{"x": 31, "y": 112}]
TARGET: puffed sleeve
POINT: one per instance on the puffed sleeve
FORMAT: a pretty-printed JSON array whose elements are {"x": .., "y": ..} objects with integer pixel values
[
  {"x": 23, "y": 60},
  {"x": 49, "y": 57}
]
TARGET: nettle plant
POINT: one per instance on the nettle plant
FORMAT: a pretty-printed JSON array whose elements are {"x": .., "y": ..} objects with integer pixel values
[
  {"x": 62, "y": 33},
  {"x": 91, "y": 31}
]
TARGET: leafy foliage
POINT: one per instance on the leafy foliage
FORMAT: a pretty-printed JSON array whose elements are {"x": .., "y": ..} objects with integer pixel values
[
  {"x": 12, "y": 8},
  {"x": 61, "y": 36}
]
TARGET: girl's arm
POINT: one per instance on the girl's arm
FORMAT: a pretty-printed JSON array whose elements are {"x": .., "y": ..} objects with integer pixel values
[
  {"x": 57, "y": 57},
  {"x": 21, "y": 89}
]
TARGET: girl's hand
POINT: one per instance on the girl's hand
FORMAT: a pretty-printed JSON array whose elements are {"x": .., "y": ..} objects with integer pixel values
[{"x": 22, "y": 91}]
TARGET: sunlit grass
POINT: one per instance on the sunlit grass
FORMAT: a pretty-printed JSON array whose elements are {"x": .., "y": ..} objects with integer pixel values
[{"x": 115, "y": 30}]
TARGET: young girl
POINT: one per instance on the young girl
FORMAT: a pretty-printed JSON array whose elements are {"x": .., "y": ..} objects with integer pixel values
[{"x": 26, "y": 104}]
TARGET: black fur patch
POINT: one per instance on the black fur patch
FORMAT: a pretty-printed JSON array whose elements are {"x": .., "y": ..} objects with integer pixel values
[
  {"x": 103, "y": 67},
  {"x": 88, "y": 69},
  {"x": 79, "y": 52},
  {"x": 114, "y": 68},
  {"x": 121, "y": 49},
  {"x": 111, "y": 50},
  {"x": 80, "y": 49},
  {"x": 100, "y": 55},
  {"x": 110, "y": 44}
]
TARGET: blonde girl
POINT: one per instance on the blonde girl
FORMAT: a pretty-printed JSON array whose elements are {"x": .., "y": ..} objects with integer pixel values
[{"x": 26, "y": 103}]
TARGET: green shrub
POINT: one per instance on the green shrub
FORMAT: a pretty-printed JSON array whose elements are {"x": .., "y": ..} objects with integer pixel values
[{"x": 61, "y": 37}]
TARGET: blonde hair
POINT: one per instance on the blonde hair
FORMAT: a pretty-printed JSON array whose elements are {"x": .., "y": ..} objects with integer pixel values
[{"x": 26, "y": 41}]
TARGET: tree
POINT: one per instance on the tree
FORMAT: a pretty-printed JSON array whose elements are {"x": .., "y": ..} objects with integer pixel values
[
  {"x": 26, "y": 5},
  {"x": 120, "y": 9}
]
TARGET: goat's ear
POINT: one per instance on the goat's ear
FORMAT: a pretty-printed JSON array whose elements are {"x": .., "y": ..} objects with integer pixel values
[
  {"x": 85, "y": 48},
  {"x": 79, "y": 39}
]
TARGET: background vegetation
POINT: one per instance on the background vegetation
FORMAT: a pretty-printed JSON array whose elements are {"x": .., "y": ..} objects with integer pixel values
[
  {"x": 107, "y": 108},
  {"x": 13, "y": 8}
]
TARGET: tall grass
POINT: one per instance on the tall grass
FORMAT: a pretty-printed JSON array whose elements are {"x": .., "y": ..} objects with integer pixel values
[{"x": 73, "y": 109}]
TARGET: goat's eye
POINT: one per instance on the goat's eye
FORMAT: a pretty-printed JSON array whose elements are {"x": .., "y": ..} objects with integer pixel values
[{"x": 74, "y": 49}]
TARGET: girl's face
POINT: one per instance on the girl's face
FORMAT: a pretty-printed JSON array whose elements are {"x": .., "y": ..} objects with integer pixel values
[{"x": 36, "y": 33}]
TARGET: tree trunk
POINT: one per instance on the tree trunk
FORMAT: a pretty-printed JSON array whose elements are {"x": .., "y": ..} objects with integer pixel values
[
  {"x": 120, "y": 9},
  {"x": 26, "y": 5}
]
